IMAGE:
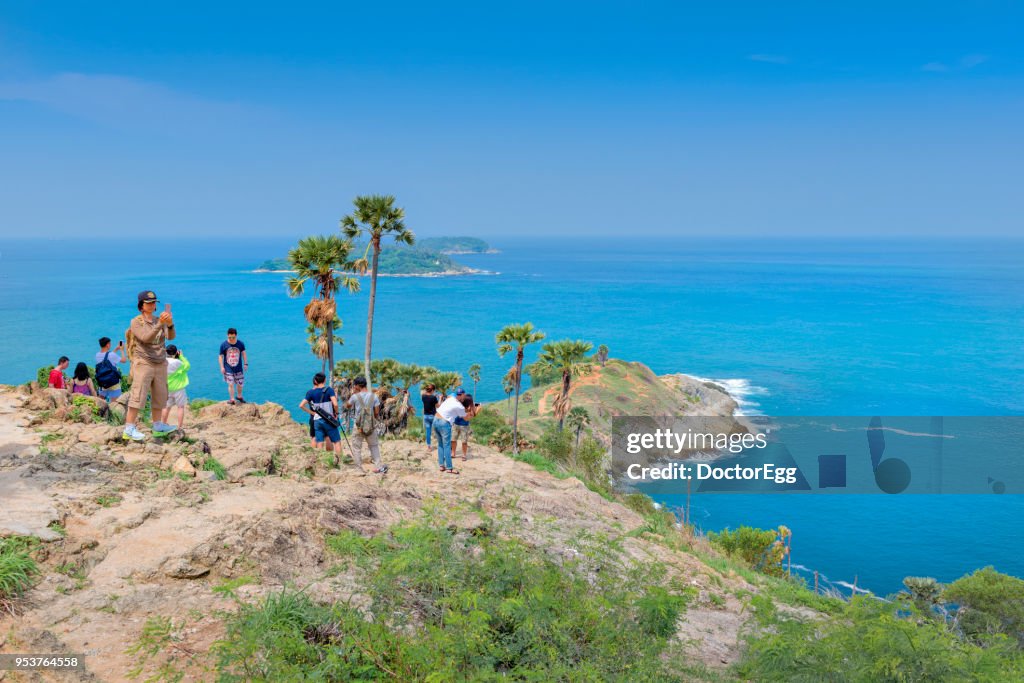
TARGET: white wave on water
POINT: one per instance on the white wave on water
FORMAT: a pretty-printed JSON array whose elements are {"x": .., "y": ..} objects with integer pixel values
[
  {"x": 743, "y": 392},
  {"x": 826, "y": 583}
]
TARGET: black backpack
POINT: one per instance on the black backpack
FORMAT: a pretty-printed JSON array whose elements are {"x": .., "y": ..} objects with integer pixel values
[{"x": 107, "y": 374}]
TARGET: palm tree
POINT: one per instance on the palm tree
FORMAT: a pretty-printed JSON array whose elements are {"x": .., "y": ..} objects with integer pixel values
[
  {"x": 517, "y": 337},
  {"x": 317, "y": 339},
  {"x": 322, "y": 260},
  {"x": 446, "y": 381},
  {"x": 350, "y": 368},
  {"x": 569, "y": 358},
  {"x": 375, "y": 216},
  {"x": 578, "y": 418},
  {"x": 409, "y": 374},
  {"x": 474, "y": 374},
  {"x": 386, "y": 371},
  {"x": 508, "y": 385}
]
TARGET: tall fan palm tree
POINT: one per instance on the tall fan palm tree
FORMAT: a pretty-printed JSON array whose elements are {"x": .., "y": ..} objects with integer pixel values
[
  {"x": 321, "y": 260},
  {"x": 569, "y": 358},
  {"x": 508, "y": 385},
  {"x": 375, "y": 217},
  {"x": 517, "y": 337},
  {"x": 474, "y": 374}
]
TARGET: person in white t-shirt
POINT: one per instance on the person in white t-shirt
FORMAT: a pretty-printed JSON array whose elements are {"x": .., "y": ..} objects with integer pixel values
[
  {"x": 451, "y": 408},
  {"x": 362, "y": 399}
]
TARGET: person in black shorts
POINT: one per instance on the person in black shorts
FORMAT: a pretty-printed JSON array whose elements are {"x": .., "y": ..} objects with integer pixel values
[{"x": 430, "y": 401}]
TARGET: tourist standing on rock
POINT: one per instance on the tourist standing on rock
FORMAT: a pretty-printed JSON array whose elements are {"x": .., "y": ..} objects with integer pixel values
[
  {"x": 234, "y": 361},
  {"x": 430, "y": 401},
  {"x": 177, "y": 380},
  {"x": 81, "y": 382},
  {"x": 146, "y": 337},
  {"x": 450, "y": 409},
  {"x": 322, "y": 398},
  {"x": 56, "y": 380},
  {"x": 461, "y": 431},
  {"x": 367, "y": 411},
  {"x": 108, "y": 377}
]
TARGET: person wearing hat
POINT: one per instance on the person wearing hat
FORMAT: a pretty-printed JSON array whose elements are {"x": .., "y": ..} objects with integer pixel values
[{"x": 147, "y": 335}]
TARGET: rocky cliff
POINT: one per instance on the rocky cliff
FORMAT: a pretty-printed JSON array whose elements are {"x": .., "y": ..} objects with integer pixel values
[{"x": 132, "y": 531}]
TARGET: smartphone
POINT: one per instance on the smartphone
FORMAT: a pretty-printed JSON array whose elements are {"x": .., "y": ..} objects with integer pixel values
[{"x": 167, "y": 308}]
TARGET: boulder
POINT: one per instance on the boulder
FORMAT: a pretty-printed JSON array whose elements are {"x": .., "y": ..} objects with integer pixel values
[{"x": 183, "y": 466}]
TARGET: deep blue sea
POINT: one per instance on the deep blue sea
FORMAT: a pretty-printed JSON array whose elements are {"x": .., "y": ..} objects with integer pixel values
[{"x": 793, "y": 327}]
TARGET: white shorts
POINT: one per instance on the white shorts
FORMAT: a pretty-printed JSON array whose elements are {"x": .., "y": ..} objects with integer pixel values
[{"x": 177, "y": 399}]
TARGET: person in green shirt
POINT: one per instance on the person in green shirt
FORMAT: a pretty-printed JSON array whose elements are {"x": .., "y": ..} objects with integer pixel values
[{"x": 177, "y": 380}]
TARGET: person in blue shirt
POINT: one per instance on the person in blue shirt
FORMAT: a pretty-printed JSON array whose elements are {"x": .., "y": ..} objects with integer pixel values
[
  {"x": 234, "y": 361},
  {"x": 323, "y": 397}
]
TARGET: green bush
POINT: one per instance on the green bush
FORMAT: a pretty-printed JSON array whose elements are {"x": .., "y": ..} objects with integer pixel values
[
  {"x": 43, "y": 375},
  {"x": 445, "y": 605},
  {"x": 17, "y": 570},
  {"x": 486, "y": 422},
  {"x": 556, "y": 445},
  {"x": 762, "y": 549},
  {"x": 872, "y": 640},
  {"x": 989, "y": 603}
]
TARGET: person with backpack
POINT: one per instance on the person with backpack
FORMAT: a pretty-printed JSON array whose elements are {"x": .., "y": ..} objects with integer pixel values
[
  {"x": 177, "y": 380},
  {"x": 367, "y": 411},
  {"x": 321, "y": 400},
  {"x": 108, "y": 376}
]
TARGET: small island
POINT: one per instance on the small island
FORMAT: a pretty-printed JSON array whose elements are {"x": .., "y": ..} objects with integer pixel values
[
  {"x": 457, "y": 245},
  {"x": 423, "y": 259}
]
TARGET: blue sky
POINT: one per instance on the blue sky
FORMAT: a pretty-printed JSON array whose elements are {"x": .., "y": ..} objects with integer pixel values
[{"x": 531, "y": 118}]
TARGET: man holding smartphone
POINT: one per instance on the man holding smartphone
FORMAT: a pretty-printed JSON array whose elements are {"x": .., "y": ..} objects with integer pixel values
[{"x": 146, "y": 338}]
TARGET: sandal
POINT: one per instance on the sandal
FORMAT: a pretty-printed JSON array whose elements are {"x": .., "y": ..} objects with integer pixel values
[
  {"x": 452, "y": 471},
  {"x": 231, "y": 402},
  {"x": 381, "y": 470}
]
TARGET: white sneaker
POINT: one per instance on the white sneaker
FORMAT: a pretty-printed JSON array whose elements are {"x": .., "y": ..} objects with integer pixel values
[{"x": 133, "y": 434}]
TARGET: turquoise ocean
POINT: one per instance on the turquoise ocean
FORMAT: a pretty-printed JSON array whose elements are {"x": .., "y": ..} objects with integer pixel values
[{"x": 791, "y": 327}]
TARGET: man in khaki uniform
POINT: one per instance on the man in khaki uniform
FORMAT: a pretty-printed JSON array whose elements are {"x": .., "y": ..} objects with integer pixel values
[{"x": 147, "y": 335}]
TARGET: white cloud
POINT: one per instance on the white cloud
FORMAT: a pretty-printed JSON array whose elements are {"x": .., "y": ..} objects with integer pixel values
[
  {"x": 935, "y": 66},
  {"x": 963, "y": 64},
  {"x": 770, "y": 59}
]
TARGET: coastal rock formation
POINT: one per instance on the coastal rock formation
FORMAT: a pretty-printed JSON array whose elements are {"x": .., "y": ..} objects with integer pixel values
[{"x": 130, "y": 532}]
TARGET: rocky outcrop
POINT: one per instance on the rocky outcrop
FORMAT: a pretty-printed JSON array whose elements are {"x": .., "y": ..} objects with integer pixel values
[{"x": 136, "y": 530}]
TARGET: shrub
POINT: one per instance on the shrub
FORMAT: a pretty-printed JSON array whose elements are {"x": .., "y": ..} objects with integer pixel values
[
  {"x": 43, "y": 375},
  {"x": 871, "y": 640},
  {"x": 17, "y": 570},
  {"x": 447, "y": 605},
  {"x": 556, "y": 445},
  {"x": 486, "y": 422},
  {"x": 501, "y": 439},
  {"x": 989, "y": 603},
  {"x": 762, "y": 549}
]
